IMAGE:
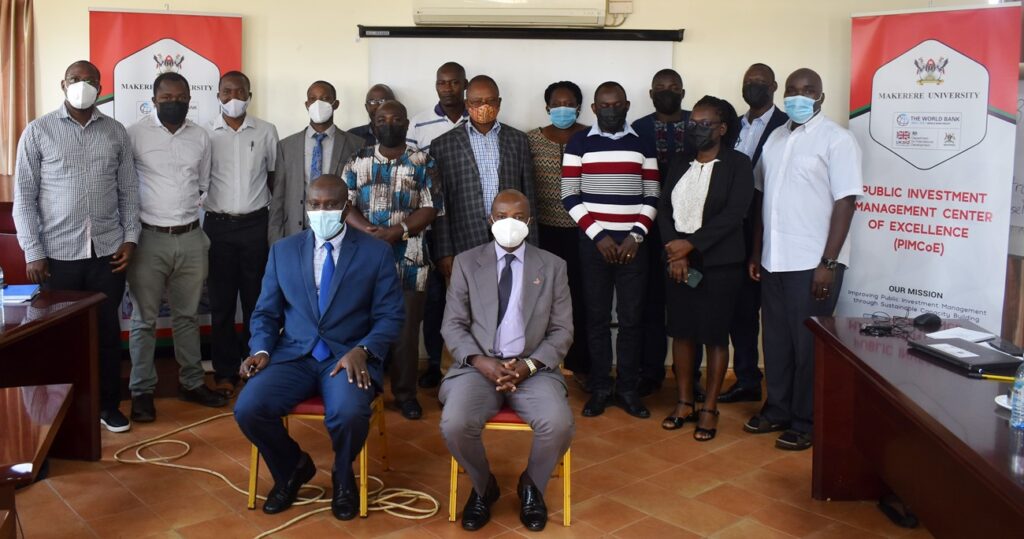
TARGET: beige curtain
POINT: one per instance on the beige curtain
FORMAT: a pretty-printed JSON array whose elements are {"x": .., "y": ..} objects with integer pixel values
[{"x": 17, "y": 98}]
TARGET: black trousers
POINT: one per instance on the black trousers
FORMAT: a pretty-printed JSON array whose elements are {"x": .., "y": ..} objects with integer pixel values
[
  {"x": 789, "y": 346},
  {"x": 565, "y": 243},
  {"x": 746, "y": 325},
  {"x": 654, "y": 344},
  {"x": 238, "y": 258},
  {"x": 628, "y": 282},
  {"x": 433, "y": 313},
  {"x": 94, "y": 275}
]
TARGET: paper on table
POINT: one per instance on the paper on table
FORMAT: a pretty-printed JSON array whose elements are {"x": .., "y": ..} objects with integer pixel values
[
  {"x": 961, "y": 333},
  {"x": 954, "y": 351}
]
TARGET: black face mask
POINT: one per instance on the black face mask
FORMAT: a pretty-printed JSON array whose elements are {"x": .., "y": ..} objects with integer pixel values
[
  {"x": 611, "y": 119},
  {"x": 667, "y": 101},
  {"x": 390, "y": 135},
  {"x": 699, "y": 137},
  {"x": 172, "y": 112},
  {"x": 757, "y": 94}
]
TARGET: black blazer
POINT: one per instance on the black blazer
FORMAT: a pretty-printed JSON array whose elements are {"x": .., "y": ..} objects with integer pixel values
[
  {"x": 720, "y": 239},
  {"x": 778, "y": 118}
]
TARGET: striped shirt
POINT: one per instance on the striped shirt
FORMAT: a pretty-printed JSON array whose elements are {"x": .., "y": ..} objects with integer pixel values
[
  {"x": 610, "y": 183},
  {"x": 75, "y": 188},
  {"x": 487, "y": 156},
  {"x": 430, "y": 124}
]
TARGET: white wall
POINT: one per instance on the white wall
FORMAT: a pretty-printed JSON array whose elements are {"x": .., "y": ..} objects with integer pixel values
[{"x": 287, "y": 45}]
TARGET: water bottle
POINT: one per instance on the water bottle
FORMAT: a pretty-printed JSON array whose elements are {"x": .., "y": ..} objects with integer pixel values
[{"x": 1017, "y": 400}]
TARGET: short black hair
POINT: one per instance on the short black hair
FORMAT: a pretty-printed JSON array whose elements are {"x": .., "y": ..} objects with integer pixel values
[
  {"x": 394, "y": 103},
  {"x": 609, "y": 84},
  {"x": 668, "y": 73},
  {"x": 727, "y": 114},
  {"x": 334, "y": 92},
  {"x": 81, "y": 63},
  {"x": 170, "y": 76},
  {"x": 235, "y": 74},
  {"x": 480, "y": 79},
  {"x": 568, "y": 85},
  {"x": 453, "y": 65},
  {"x": 759, "y": 65}
]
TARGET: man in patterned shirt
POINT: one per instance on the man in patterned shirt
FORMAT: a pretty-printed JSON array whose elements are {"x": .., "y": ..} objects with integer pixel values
[
  {"x": 76, "y": 208},
  {"x": 394, "y": 198}
]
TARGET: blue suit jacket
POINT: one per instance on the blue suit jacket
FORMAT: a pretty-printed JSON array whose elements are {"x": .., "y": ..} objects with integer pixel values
[{"x": 366, "y": 306}]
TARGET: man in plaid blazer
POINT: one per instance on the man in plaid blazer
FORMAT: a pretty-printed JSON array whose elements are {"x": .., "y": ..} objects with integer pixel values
[{"x": 477, "y": 160}]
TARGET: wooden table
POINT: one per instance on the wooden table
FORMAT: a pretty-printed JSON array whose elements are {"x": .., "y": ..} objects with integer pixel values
[
  {"x": 890, "y": 419},
  {"x": 53, "y": 340},
  {"x": 29, "y": 420}
]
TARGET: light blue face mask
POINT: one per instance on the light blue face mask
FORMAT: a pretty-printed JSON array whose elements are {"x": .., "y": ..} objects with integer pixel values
[
  {"x": 799, "y": 108},
  {"x": 326, "y": 223},
  {"x": 562, "y": 117}
]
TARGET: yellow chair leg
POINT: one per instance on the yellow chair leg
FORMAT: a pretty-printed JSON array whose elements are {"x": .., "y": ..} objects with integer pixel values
[
  {"x": 566, "y": 487},
  {"x": 362, "y": 482},
  {"x": 453, "y": 490},
  {"x": 254, "y": 470}
]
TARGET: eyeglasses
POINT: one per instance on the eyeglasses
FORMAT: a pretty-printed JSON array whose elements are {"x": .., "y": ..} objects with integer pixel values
[
  {"x": 476, "y": 102},
  {"x": 707, "y": 124},
  {"x": 376, "y": 102}
]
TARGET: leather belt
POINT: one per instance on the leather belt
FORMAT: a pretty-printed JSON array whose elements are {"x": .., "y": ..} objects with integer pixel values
[
  {"x": 236, "y": 218},
  {"x": 180, "y": 229}
]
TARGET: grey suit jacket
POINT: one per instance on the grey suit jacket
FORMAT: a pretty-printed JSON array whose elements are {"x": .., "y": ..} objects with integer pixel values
[
  {"x": 471, "y": 314},
  {"x": 464, "y": 223},
  {"x": 288, "y": 203}
]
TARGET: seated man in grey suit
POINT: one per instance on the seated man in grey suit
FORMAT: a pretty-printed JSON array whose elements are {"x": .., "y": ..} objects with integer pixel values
[
  {"x": 320, "y": 148},
  {"x": 508, "y": 324}
]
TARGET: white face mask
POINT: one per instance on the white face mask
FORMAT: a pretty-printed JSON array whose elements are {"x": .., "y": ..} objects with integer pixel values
[
  {"x": 509, "y": 233},
  {"x": 320, "y": 111},
  {"x": 81, "y": 95},
  {"x": 234, "y": 108}
]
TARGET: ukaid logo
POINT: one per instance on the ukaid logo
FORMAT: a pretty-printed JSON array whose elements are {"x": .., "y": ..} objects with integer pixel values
[
  {"x": 929, "y": 104},
  {"x": 134, "y": 76}
]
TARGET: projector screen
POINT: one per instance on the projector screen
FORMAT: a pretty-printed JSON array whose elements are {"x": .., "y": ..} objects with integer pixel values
[{"x": 523, "y": 68}]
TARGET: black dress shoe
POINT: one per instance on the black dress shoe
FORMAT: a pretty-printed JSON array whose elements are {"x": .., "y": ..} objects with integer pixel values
[
  {"x": 411, "y": 409},
  {"x": 631, "y": 403},
  {"x": 431, "y": 378},
  {"x": 532, "y": 513},
  {"x": 647, "y": 387},
  {"x": 202, "y": 395},
  {"x": 760, "y": 424},
  {"x": 282, "y": 496},
  {"x": 477, "y": 511},
  {"x": 143, "y": 410},
  {"x": 345, "y": 503},
  {"x": 740, "y": 394},
  {"x": 794, "y": 440},
  {"x": 596, "y": 404}
]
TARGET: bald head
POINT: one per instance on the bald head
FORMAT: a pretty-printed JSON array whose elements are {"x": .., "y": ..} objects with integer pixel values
[
  {"x": 510, "y": 203},
  {"x": 804, "y": 79},
  {"x": 84, "y": 69},
  {"x": 327, "y": 192}
]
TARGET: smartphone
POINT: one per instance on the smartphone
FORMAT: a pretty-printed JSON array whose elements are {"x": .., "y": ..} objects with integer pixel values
[
  {"x": 1006, "y": 347},
  {"x": 693, "y": 278}
]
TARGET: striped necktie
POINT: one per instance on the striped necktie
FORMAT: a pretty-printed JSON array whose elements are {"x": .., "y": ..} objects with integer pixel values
[{"x": 316, "y": 164}]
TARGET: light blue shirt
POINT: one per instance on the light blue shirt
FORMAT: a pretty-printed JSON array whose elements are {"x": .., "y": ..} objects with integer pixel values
[
  {"x": 510, "y": 338},
  {"x": 487, "y": 155},
  {"x": 750, "y": 132}
]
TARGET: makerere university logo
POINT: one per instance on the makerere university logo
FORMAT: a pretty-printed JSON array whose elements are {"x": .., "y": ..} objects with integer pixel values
[
  {"x": 930, "y": 71},
  {"x": 168, "y": 64}
]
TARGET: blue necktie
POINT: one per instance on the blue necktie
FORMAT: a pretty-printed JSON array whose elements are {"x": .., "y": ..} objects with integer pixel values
[
  {"x": 316, "y": 164},
  {"x": 321, "y": 351}
]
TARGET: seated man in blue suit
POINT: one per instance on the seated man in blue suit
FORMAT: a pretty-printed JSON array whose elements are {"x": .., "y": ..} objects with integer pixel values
[{"x": 331, "y": 304}]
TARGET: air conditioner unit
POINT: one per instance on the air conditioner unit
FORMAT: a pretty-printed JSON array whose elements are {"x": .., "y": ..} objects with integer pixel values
[{"x": 590, "y": 13}]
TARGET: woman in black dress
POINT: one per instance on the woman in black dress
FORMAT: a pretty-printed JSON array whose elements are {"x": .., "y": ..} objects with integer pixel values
[{"x": 700, "y": 215}]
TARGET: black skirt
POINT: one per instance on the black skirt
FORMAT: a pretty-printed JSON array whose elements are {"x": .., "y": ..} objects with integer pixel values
[{"x": 705, "y": 313}]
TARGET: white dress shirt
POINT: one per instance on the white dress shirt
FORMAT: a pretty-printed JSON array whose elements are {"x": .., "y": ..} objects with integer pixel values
[
  {"x": 627, "y": 130},
  {"x": 241, "y": 161},
  {"x": 802, "y": 173},
  {"x": 320, "y": 256},
  {"x": 510, "y": 337},
  {"x": 328, "y": 145},
  {"x": 750, "y": 132},
  {"x": 173, "y": 169}
]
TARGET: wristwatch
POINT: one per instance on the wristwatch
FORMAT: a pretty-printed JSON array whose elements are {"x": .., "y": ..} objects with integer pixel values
[
  {"x": 829, "y": 263},
  {"x": 405, "y": 231},
  {"x": 532, "y": 365},
  {"x": 637, "y": 237},
  {"x": 369, "y": 355}
]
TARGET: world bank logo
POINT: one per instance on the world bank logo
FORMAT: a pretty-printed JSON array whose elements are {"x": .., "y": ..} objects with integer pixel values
[{"x": 903, "y": 120}]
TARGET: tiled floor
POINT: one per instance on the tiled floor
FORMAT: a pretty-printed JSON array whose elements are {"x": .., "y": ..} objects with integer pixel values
[{"x": 630, "y": 479}]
